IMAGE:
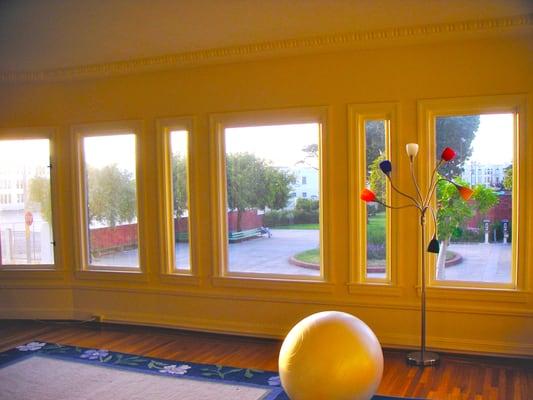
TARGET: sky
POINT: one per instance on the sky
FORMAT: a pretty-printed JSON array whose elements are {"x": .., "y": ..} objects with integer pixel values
[
  {"x": 493, "y": 143},
  {"x": 100, "y": 151},
  {"x": 20, "y": 152},
  {"x": 281, "y": 144}
]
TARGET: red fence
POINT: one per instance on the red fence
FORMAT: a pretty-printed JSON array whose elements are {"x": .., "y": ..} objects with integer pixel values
[
  {"x": 249, "y": 220},
  {"x": 119, "y": 237},
  {"x": 124, "y": 236},
  {"x": 504, "y": 210}
]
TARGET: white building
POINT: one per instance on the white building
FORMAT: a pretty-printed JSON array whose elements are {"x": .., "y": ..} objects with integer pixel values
[
  {"x": 307, "y": 185},
  {"x": 490, "y": 175}
]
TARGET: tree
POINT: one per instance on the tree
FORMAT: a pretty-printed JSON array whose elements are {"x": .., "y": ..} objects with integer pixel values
[
  {"x": 377, "y": 179},
  {"x": 457, "y": 133},
  {"x": 311, "y": 156},
  {"x": 453, "y": 212},
  {"x": 375, "y": 140},
  {"x": 111, "y": 195},
  {"x": 39, "y": 192},
  {"x": 508, "y": 178},
  {"x": 179, "y": 185},
  {"x": 253, "y": 183}
]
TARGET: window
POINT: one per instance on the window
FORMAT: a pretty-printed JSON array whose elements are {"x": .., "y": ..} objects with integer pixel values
[
  {"x": 476, "y": 236},
  {"x": 376, "y": 214},
  {"x": 304, "y": 195},
  {"x": 304, "y": 180},
  {"x": 26, "y": 226},
  {"x": 110, "y": 201},
  {"x": 269, "y": 232},
  {"x": 371, "y": 128},
  {"x": 180, "y": 196}
]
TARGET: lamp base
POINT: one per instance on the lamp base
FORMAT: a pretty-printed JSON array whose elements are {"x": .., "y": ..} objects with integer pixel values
[{"x": 430, "y": 358}]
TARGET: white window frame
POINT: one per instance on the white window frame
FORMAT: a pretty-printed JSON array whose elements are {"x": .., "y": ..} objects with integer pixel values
[
  {"x": 32, "y": 134},
  {"x": 428, "y": 111},
  {"x": 221, "y": 275},
  {"x": 84, "y": 269}
]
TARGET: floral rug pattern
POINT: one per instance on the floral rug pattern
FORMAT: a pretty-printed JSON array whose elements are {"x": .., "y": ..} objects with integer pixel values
[{"x": 176, "y": 369}]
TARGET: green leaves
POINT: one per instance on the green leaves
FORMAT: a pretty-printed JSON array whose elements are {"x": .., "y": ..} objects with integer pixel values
[
  {"x": 253, "y": 183},
  {"x": 111, "y": 195},
  {"x": 453, "y": 212}
]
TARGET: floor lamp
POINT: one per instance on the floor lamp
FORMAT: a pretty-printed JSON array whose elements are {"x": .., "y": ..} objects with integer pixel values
[{"x": 422, "y": 204}]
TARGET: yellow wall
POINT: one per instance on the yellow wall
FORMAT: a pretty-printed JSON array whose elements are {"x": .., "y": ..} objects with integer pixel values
[{"x": 476, "y": 321}]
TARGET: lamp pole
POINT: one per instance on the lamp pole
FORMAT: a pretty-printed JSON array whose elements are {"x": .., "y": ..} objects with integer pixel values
[{"x": 421, "y": 358}]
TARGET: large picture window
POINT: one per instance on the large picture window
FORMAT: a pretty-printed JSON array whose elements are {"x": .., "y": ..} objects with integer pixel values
[
  {"x": 272, "y": 199},
  {"x": 476, "y": 236},
  {"x": 110, "y": 203},
  {"x": 26, "y": 226}
]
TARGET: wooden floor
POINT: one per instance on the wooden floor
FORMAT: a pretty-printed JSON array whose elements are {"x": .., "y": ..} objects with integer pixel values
[{"x": 457, "y": 377}]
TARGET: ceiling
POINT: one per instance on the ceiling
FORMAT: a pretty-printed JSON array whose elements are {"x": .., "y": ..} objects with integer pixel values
[{"x": 47, "y": 34}]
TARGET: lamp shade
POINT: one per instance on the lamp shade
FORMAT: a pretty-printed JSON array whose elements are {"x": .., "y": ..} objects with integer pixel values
[
  {"x": 434, "y": 246},
  {"x": 447, "y": 154},
  {"x": 386, "y": 167},
  {"x": 465, "y": 192},
  {"x": 368, "y": 195},
  {"x": 411, "y": 149}
]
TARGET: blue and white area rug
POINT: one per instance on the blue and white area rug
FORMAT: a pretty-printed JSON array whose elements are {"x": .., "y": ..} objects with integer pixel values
[{"x": 48, "y": 371}]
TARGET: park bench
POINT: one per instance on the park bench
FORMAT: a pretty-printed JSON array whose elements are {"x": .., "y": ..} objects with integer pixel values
[{"x": 248, "y": 233}]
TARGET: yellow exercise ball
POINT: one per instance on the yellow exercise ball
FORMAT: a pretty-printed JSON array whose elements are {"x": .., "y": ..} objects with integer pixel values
[{"x": 330, "y": 355}]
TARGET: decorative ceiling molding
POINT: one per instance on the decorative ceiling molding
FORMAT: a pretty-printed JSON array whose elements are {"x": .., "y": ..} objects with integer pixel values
[{"x": 272, "y": 49}]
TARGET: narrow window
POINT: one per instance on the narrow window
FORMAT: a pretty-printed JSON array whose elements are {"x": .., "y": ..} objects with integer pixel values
[
  {"x": 476, "y": 235},
  {"x": 180, "y": 203},
  {"x": 111, "y": 201},
  {"x": 26, "y": 227},
  {"x": 271, "y": 229},
  {"x": 376, "y": 214}
]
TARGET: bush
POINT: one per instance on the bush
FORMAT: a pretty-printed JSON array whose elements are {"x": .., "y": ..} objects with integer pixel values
[
  {"x": 306, "y": 217},
  {"x": 278, "y": 218},
  {"x": 306, "y": 205},
  {"x": 375, "y": 251}
]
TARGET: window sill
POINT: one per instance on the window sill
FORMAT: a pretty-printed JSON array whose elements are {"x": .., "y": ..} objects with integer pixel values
[
  {"x": 178, "y": 278},
  {"x": 26, "y": 273},
  {"x": 477, "y": 294},
  {"x": 273, "y": 283},
  {"x": 375, "y": 288},
  {"x": 112, "y": 275}
]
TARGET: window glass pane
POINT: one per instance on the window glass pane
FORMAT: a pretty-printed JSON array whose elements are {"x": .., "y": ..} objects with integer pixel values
[
  {"x": 180, "y": 206},
  {"x": 25, "y": 202},
  {"x": 111, "y": 200},
  {"x": 273, "y": 192},
  {"x": 475, "y": 236},
  {"x": 376, "y": 228}
]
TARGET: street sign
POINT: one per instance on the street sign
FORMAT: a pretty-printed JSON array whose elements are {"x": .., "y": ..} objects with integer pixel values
[{"x": 28, "y": 218}]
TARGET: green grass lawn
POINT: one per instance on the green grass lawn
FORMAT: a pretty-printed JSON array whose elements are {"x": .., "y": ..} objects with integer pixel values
[
  {"x": 298, "y": 226},
  {"x": 309, "y": 256},
  {"x": 376, "y": 227}
]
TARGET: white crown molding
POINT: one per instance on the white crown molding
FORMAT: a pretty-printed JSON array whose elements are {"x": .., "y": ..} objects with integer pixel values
[{"x": 271, "y": 49}]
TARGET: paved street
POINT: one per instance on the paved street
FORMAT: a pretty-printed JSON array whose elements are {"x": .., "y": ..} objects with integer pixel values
[{"x": 481, "y": 262}]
